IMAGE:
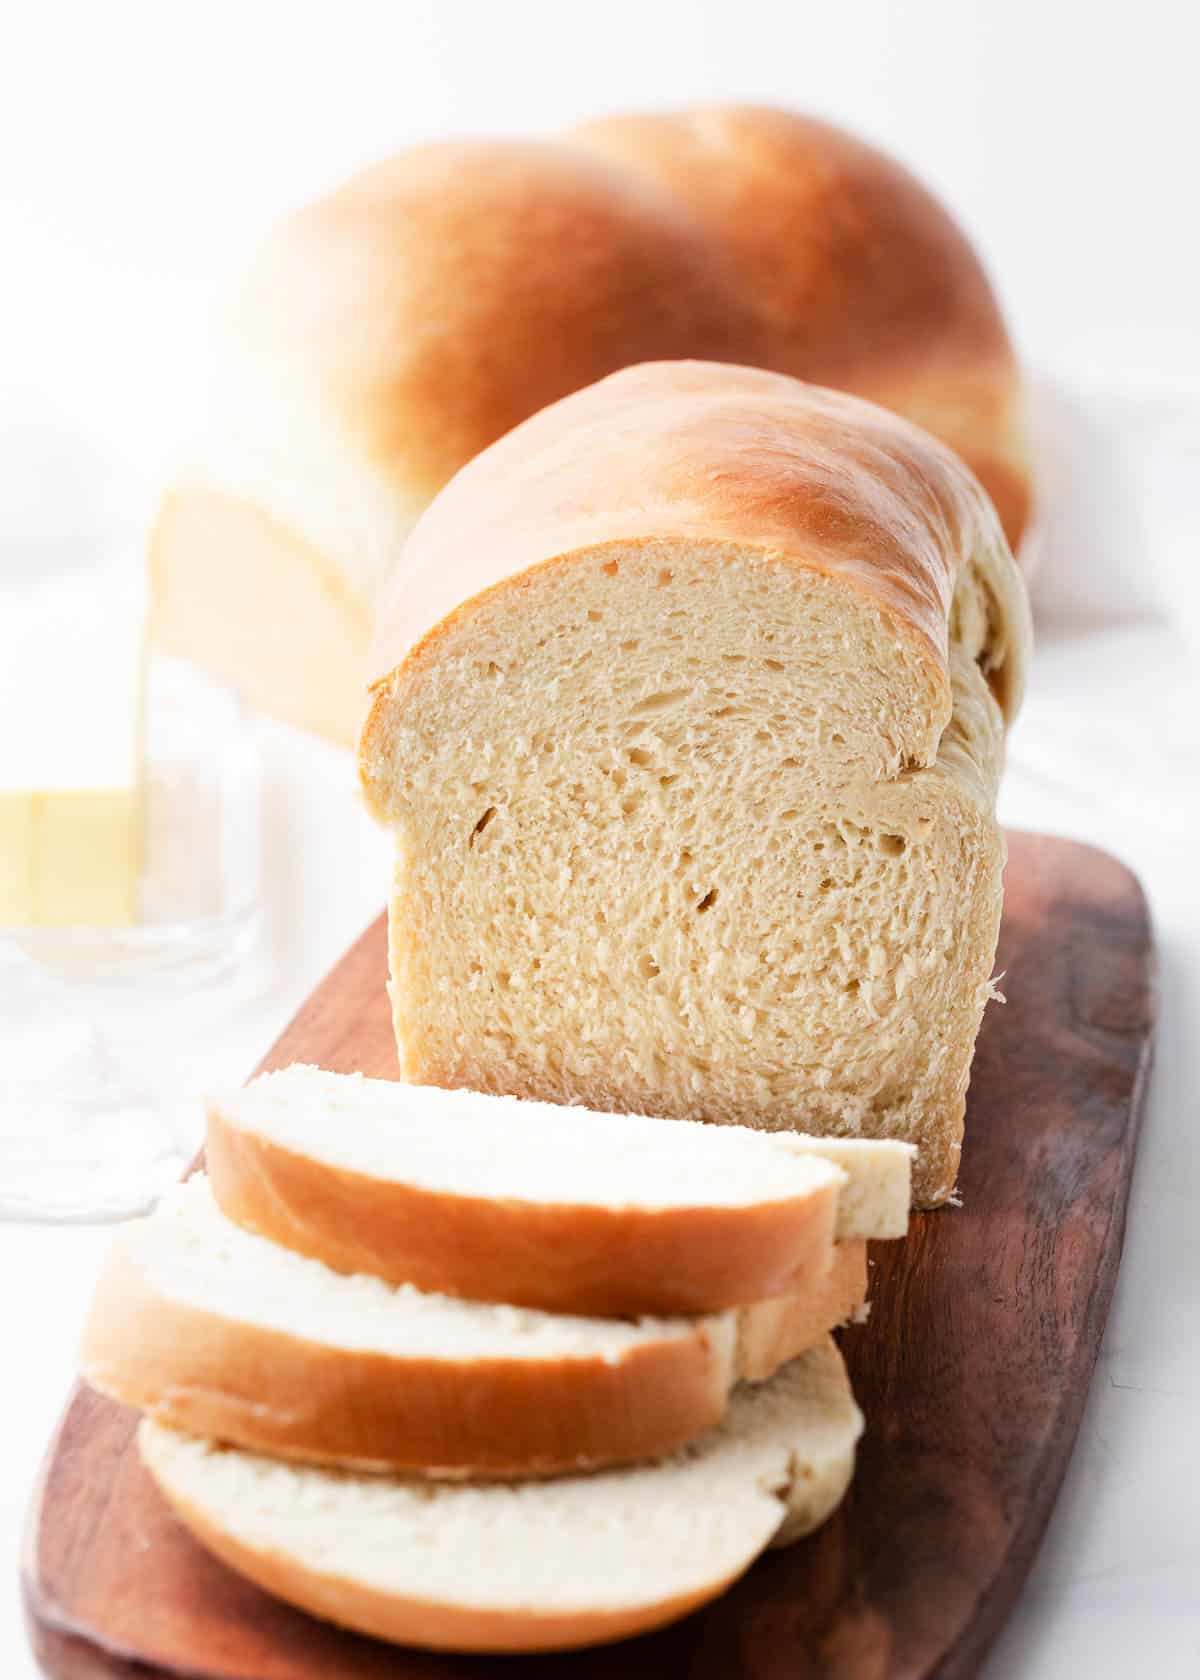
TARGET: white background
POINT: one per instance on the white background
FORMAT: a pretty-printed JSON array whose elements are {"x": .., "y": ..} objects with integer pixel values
[{"x": 142, "y": 147}]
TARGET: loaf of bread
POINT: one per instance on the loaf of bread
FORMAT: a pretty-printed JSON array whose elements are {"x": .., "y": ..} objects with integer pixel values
[
  {"x": 494, "y": 1199},
  {"x": 390, "y": 331},
  {"x": 526, "y": 1566},
  {"x": 210, "y": 1329},
  {"x": 689, "y": 709}
]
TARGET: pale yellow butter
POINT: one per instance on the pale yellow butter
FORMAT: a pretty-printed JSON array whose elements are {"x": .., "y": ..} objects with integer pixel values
[{"x": 72, "y": 665}]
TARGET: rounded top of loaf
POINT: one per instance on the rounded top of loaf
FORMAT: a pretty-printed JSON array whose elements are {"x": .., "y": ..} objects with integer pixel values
[
  {"x": 435, "y": 300},
  {"x": 845, "y": 255},
  {"x": 445, "y": 294},
  {"x": 724, "y": 456}
]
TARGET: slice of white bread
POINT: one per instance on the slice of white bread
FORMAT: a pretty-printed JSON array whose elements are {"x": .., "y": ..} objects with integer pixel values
[
  {"x": 529, "y": 1566},
  {"x": 542, "y": 1206},
  {"x": 689, "y": 711},
  {"x": 222, "y": 1333}
]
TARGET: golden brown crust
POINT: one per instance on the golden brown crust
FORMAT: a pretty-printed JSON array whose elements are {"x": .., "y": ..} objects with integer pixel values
[
  {"x": 730, "y": 233},
  {"x": 876, "y": 273},
  {"x": 445, "y": 294},
  {"x": 260, "y": 1388},
  {"x": 606, "y": 1261},
  {"x": 706, "y": 452},
  {"x": 773, "y": 1332},
  {"x": 390, "y": 331},
  {"x": 431, "y": 1624}
]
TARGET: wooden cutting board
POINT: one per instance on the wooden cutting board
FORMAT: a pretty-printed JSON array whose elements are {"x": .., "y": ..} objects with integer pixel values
[{"x": 972, "y": 1372}]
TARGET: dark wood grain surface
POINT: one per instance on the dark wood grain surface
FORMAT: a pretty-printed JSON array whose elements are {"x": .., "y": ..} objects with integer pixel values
[{"x": 972, "y": 1372}]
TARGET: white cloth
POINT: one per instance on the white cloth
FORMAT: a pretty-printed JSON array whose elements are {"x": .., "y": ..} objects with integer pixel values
[{"x": 1107, "y": 750}]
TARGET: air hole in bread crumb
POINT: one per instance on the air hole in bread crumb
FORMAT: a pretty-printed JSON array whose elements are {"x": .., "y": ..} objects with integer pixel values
[
  {"x": 610, "y": 568},
  {"x": 647, "y": 967},
  {"x": 892, "y": 844},
  {"x": 707, "y": 902},
  {"x": 665, "y": 577},
  {"x": 660, "y": 701},
  {"x": 851, "y": 988},
  {"x": 640, "y": 757},
  {"x": 665, "y": 781},
  {"x": 484, "y": 820},
  {"x": 790, "y": 764},
  {"x": 594, "y": 617},
  {"x": 773, "y": 664},
  {"x": 630, "y": 646},
  {"x": 838, "y": 740}
]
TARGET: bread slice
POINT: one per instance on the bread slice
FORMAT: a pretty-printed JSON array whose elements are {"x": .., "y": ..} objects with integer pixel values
[
  {"x": 219, "y": 1332},
  {"x": 541, "y": 1206},
  {"x": 689, "y": 716},
  {"x": 531, "y": 1566}
]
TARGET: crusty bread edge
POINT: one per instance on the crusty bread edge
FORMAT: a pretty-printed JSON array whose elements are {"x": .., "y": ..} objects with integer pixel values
[
  {"x": 608, "y": 1262},
  {"x": 808, "y": 1498},
  {"x": 213, "y": 1376},
  {"x": 772, "y": 1332},
  {"x": 435, "y": 1625},
  {"x": 205, "y": 1374}
]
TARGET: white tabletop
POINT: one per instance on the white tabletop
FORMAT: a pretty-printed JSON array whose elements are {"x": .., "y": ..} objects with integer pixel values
[{"x": 1108, "y": 750}]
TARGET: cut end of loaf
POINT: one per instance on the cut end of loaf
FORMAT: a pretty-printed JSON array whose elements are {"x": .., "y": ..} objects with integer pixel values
[
  {"x": 684, "y": 829},
  {"x": 220, "y": 567}
]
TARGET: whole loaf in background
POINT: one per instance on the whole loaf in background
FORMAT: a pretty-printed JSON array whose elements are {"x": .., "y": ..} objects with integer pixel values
[
  {"x": 391, "y": 330},
  {"x": 689, "y": 711}
]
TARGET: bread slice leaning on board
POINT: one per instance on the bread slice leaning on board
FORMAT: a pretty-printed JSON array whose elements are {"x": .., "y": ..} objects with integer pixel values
[
  {"x": 526, "y": 1566},
  {"x": 541, "y": 1206},
  {"x": 213, "y": 1330},
  {"x": 689, "y": 707}
]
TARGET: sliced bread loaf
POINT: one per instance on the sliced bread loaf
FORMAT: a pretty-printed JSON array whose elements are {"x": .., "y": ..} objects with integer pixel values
[
  {"x": 213, "y": 1330},
  {"x": 357, "y": 367},
  {"x": 561, "y": 1209},
  {"x": 689, "y": 712},
  {"x": 532, "y": 1566}
]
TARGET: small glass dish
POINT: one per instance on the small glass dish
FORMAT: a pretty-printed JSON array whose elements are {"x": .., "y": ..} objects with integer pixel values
[
  {"x": 91, "y": 1125},
  {"x": 199, "y": 890}
]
